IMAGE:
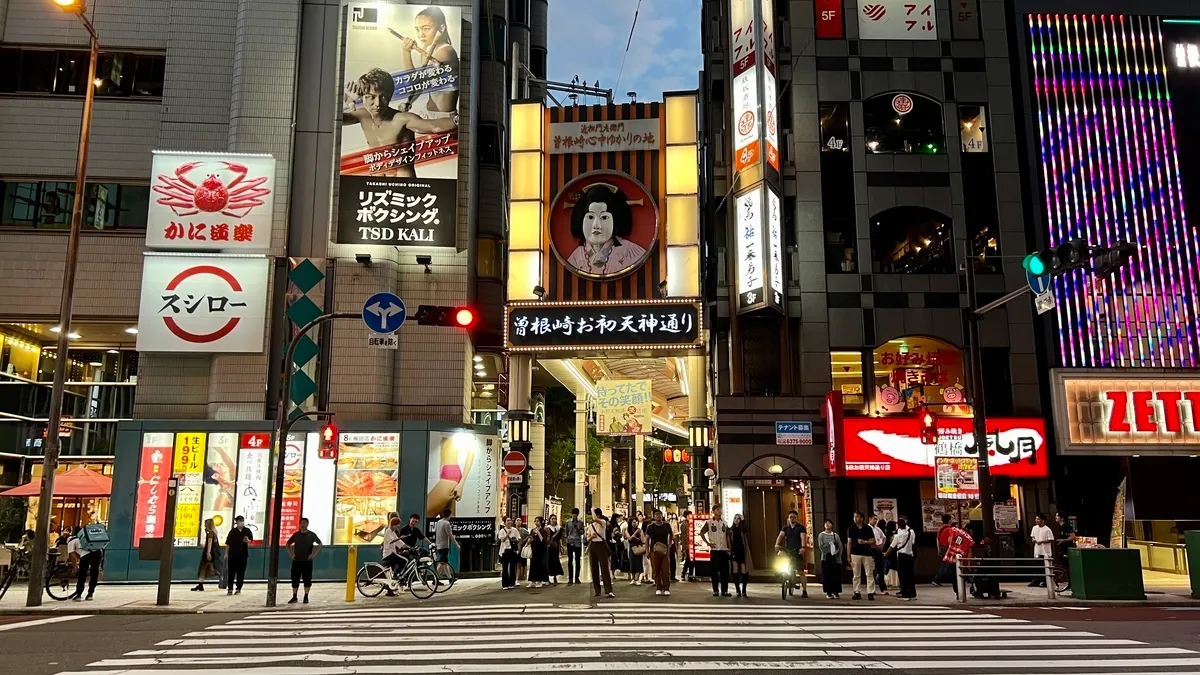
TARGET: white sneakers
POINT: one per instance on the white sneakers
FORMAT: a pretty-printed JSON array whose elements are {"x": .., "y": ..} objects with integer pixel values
[
  {"x": 666, "y": 592},
  {"x": 658, "y": 592}
]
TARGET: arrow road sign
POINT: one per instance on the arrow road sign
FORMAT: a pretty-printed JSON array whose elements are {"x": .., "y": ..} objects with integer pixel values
[{"x": 384, "y": 313}]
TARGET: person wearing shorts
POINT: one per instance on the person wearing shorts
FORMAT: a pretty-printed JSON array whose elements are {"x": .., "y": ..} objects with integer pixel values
[{"x": 302, "y": 547}]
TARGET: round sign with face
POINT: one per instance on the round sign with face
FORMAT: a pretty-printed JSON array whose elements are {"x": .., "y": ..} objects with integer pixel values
[{"x": 603, "y": 224}]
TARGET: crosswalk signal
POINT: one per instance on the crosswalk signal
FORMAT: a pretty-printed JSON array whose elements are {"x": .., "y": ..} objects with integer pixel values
[
  {"x": 929, "y": 430},
  {"x": 454, "y": 317},
  {"x": 329, "y": 442}
]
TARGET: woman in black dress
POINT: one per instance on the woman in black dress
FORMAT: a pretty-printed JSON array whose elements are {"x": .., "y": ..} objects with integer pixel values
[
  {"x": 539, "y": 535},
  {"x": 616, "y": 544},
  {"x": 739, "y": 542},
  {"x": 554, "y": 545},
  {"x": 637, "y": 544}
]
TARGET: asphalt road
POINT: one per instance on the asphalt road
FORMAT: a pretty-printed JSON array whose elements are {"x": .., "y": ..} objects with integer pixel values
[{"x": 524, "y": 637}]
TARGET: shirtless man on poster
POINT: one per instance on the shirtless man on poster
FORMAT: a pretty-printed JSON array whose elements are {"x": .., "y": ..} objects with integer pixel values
[{"x": 384, "y": 126}]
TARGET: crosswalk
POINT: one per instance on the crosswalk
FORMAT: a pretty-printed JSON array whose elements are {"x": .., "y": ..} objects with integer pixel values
[{"x": 642, "y": 637}]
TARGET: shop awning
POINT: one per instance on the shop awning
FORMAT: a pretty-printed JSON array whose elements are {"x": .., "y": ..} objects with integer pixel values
[{"x": 78, "y": 482}]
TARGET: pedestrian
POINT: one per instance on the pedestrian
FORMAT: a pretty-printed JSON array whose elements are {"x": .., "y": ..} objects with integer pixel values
[
  {"x": 575, "y": 540},
  {"x": 1066, "y": 539},
  {"x": 715, "y": 533},
  {"x": 412, "y": 535},
  {"x": 943, "y": 542},
  {"x": 685, "y": 532},
  {"x": 210, "y": 555},
  {"x": 739, "y": 544},
  {"x": 539, "y": 549},
  {"x": 647, "y": 566},
  {"x": 616, "y": 544},
  {"x": 661, "y": 540},
  {"x": 443, "y": 537},
  {"x": 637, "y": 549},
  {"x": 793, "y": 541},
  {"x": 673, "y": 522},
  {"x": 880, "y": 559},
  {"x": 860, "y": 540},
  {"x": 1043, "y": 545},
  {"x": 959, "y": 543},
  {"x": 303, "y": 547},
  {"x": 598, "y": 552},
  {"x": 237, "y": 553},
  {"x": 510, "y": 553},
  {"x": 522, "y": 561},
  {"x": 830, "y": 546},
  {"x": 86, "y": 561},
  {"x": 554, "y": 549},
  {"x": 902, "y": 546}
]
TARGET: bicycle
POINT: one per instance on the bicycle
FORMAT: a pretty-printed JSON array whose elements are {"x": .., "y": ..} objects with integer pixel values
[
  {"x": 418, "y": 574},
  {"x": 783, "y": 568},
  {"x": 60, "y": 577},
  {"x": 1062, "y": 578},
  {"x": 446, "y": 575},
  {"x": 18, "y": 567}
]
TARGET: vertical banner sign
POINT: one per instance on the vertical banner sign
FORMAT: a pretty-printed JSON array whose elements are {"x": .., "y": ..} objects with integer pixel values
[
  {"x": 220, "y": 481},
  {"x": 748, "y": 214},
  {"x": 399, "y": 154},
  {"x": 153, "y": 471},
  {"x": 830, "y": 21},
  {"x": 189, "y": 469},
  {"x": 319, "y": 474},
  {"x": 293, "y": 485},
  {"x": 747, "y": 127},
  {"x": 368, "y": 474},
  {"x": 775, "y": 245},
  {"x": 770, "y": 99},
  {"x": 251, "y": 503},
  {"x": 623, "y": 407}
]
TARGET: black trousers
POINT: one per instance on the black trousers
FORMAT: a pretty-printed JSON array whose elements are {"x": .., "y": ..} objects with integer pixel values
[
  {"x": 720, "y": 571},
  {"x": 508, "y": 568},
  {"x": 574, "y": 562},
  {"x": 302, "y": 571},
  {"x": 237, "y": 572},
  {"x": 904, "y": 568},
  {"x": 89, "y": 570},
  {"x": 674, "y": 563}
]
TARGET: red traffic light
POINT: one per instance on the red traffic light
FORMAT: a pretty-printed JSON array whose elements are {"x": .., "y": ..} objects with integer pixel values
[
  {"x": 329, "y": 442},
  {"x": 464, "y": 317},
  {"x": 454, "y": 317},
  {"x": 929, "y": 428}
]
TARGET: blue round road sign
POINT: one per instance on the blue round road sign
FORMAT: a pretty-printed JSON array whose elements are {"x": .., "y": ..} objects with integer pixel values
[{"x": 384, "y": 313}]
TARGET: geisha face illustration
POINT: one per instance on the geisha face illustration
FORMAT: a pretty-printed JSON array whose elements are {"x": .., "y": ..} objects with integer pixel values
[{"x": 601, "y": 222}]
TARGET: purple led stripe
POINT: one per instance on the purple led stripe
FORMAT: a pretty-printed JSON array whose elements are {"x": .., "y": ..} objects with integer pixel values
[{"x": 1063, "y": 88}]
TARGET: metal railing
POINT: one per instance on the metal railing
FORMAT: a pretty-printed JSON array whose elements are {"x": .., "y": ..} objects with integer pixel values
[
  {"x": 1003, "y": 568},
  {"x": 1160, "y": 557}
]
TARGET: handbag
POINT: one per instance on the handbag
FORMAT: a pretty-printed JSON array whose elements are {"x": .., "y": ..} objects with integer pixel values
[
  {"x": 660, "y": 547},
  {"x": 638, "y": 550},
  {"x": 527, "y": 551}
]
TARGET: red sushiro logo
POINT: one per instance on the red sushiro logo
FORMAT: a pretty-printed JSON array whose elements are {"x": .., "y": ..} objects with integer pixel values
[
  {"x": 211, "y": 187},
  {"x": 202, "y": 338},
  {"x": 1147, "y": 411},
  {"x": 874, "y": 12}
]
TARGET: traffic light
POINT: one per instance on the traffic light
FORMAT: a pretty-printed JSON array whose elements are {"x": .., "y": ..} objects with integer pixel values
[
  {"x": 1109, "y": 260},
  {"x": 1076, "y": 253},
  {"x": 929, "y": 429},
  {"x": 329, "y": 442},
  {"x": 454, "y": 317}
]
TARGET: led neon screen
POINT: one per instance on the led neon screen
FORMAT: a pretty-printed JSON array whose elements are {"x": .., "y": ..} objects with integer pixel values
[{"x": 1114, "y": 158}]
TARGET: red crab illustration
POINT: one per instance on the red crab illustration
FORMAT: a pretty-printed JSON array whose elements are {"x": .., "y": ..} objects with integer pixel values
[{"x": 212, "y": 195}]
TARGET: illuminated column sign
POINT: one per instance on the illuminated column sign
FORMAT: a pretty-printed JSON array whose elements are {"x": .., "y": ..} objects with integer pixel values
[{"x": 756, "y": 226}]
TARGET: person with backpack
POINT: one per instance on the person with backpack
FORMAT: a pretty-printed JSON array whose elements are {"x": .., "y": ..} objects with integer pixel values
[{"x": 86, "y": 551}]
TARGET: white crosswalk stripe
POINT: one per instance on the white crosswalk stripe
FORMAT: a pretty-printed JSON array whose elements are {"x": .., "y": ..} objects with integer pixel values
[{"x": 631, "y": 637}]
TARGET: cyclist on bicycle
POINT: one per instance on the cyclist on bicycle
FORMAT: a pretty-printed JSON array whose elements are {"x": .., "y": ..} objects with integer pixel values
[
  {"x": 412, "y": 534},
  {"x": 793, "y": 540},
  {"x": 393, "y": 547}
]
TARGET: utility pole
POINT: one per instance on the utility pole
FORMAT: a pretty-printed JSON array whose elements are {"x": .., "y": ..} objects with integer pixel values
[{"x": 979, "y": 405}]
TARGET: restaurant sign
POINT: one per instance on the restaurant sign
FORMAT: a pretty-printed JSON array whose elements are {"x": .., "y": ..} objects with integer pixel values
[
  {"x": 602, "y": 325},
  {"x": 1112, "y": 411}
]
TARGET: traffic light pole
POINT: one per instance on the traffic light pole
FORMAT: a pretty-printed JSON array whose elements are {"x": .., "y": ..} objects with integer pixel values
[{"x": 283, "y": 425}]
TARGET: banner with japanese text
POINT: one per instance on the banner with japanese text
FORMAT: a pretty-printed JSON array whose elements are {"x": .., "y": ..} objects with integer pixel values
[
  {"x": 189, "y": 470},
  {"x": 957, "y": 477},
  {"x": 154, "y": 469},
  {"x": 399, "y": 144},
  {"x": 203, "y": 201},
  {"x": 253, "y": 476},
  {"x": 623, "y": 407}
]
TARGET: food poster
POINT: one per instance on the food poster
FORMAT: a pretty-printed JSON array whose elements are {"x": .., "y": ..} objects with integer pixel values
[
  {"x": 368, "y": 471},
  {"x": 189, "y": 469},
  {"x": 220, "y": 481},
  {"x": 623, "y": 407},
  {"x": 319, "y": 474},
  {"x": 154, "y": 470},
  {"x": 293, "y": 485},
  {"x": 957, "y": 477},
  {"x": 884, "y": 508},
  {"x": 464, "y": 475},
  {"x": 253, "y": 474}
]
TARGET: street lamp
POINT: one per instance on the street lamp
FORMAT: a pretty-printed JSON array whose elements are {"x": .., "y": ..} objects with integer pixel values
[{"x": 37, "y": 570}]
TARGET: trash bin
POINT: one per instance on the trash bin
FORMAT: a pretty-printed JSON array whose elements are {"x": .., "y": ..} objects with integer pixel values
[
  {"x": 1106, "y": 574},
  {"x": 1191, "y": 539}
]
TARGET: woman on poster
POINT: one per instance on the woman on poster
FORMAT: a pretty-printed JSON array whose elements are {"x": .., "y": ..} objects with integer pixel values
[
  {"x": 456, "y": 457},
  {"x": 433, "y": 47},
  {"x": 600, "y": 221}
]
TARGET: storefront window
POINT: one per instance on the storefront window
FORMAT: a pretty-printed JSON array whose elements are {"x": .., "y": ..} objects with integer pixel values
[
  {"x": 847, "y": 372},
  {"x": 47, "y": 205},
  {"x": 914, "y": 371}
]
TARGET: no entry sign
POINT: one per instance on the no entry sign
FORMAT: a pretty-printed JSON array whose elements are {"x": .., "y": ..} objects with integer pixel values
[{"x": 514, "y": 462}]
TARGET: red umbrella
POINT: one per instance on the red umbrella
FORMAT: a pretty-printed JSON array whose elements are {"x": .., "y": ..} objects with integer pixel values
[{"x": 78, "y": 482}]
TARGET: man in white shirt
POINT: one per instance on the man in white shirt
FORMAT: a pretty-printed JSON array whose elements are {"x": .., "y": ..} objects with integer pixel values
[
  {"x": 877, "y": 554},
  {"x": 87, "y": 563},
  {"x": 902, "y": 544},
  {"x": 1043, "y": 544},
  {"x": 715, "y": 533}
]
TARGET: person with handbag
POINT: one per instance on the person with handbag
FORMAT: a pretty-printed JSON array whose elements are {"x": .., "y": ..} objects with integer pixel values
[
  {"x": 554, "y": 540},
  {"x": 662, "y": 542},
  {"x": 597, "y": 536},
  {"x": 510, "y": 553},
  {"x": 539, "y": 549},
  {"x": 830, "y": 546},
  {"x": 902, "y": 546},
  {"x": 210, "y": 557},
  {"x": 616, "y": 544},
  {"x": 637, "y": 551}
]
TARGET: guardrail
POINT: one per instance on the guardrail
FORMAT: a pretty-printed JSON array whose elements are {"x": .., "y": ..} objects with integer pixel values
[
  {"x": 1003, "y": 568},
  {"x": 1161, "y": 557}
]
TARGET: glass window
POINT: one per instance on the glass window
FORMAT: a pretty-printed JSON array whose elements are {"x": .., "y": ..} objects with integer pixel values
[
  {"x": 904, "y": 124},
  {"x": 71, "y": 72},
  {"x": 491, "y": 151},
  {"x": 132, "y": 206},
  {"x": 915, "y": 370},
  {"x": 54, "y": 205},
  {"x": 972, "y": 126},
  {"x": 838, "y": 212},
  {"x": 488, "y": 255},
  {"x": 62, "y": 72},
  {"x": 518, "y": 12},
  {"x": 47, "y": 205},
  {"x": 911, "y": 240},
  {"x": 846, "y": 369},
  {"x": 835, "y": 127},
  {"x": 537, "y": 62},
  {"x": 20, "y": 204},
  {"x": 493, "y": 39}
]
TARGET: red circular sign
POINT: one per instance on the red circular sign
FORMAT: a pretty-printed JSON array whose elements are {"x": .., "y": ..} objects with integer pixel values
[
  {"x": 902, "y": 103},
  {"x": 514, "y": 462},
  {"x": 203, "y": 338},
  {"x": 746, "y": 123}
]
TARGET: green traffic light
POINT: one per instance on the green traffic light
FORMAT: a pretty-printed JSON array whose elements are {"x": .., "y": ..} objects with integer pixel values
[{"x": 1034, "y": 264}]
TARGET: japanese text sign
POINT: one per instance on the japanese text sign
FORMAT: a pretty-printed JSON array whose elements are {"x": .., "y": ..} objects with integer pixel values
[
  {"x": 153, "y": 471},
  {"x": 793, "y": 433},
  {"x": 746, "y": 67},
  {"x": 538, "y": 326},
  {"x": 253, "y": 476},
  {"x": 614, "y": 136},
  {"x": 189, "y": 469},
  {"x": 205, "y": 304},
  {"x": 957, "y": 477},
  {"x": 897, "y": 20},
  {"x": 623, "y": 407},
  {"x": 397, "y": 212},
  {"x": 759, "y": 236},
  {"x": 891, "y": 446},
  {"x": 1120, "y": 411},
  {"x": 211, "y": 202}
]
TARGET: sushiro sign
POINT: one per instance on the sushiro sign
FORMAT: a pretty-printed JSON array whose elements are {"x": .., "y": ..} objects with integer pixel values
[{"x": 203, "y": 303}]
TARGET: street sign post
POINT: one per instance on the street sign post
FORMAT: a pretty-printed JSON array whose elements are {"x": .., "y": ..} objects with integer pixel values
[
  {"x": 384, "y": 313},
  {"x": 515, "y": 463}
]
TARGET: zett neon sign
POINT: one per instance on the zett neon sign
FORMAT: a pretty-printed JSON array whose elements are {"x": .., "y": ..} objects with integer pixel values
[{"x": 1152, "y": 411}]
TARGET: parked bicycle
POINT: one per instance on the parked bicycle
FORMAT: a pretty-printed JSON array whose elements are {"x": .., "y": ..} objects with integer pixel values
[
  {"x": 418, "y": 574},
  {"x": 60, "y": 576}
]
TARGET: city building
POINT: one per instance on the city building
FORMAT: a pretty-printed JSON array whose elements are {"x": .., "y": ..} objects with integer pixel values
[
  {"x": 886, "y": 137},
  {"x": 217, "y": 160}
]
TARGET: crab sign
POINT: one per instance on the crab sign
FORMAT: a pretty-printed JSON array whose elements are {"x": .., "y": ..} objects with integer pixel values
[{"x": 185, "y": 197}]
